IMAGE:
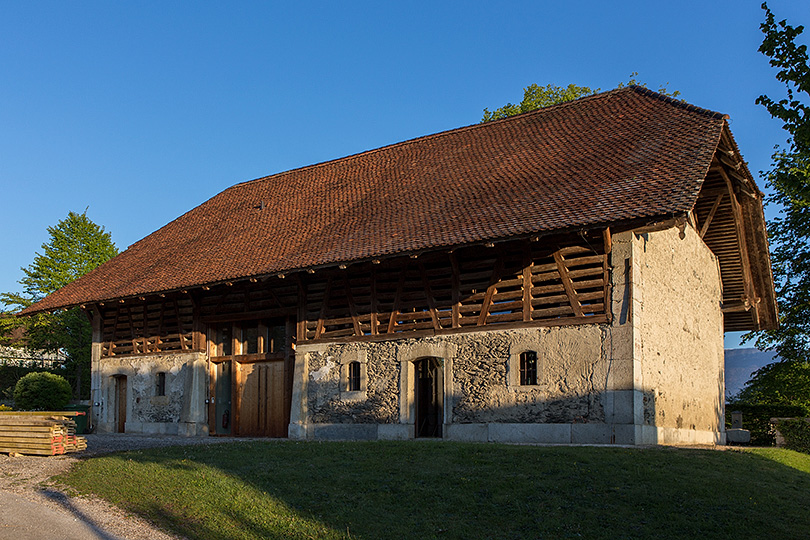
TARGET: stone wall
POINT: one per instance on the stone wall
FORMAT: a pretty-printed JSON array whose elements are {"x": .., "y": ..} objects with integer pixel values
[
  {"x": 180, "y": 411},
  {"x": 680, "y": 327},
  {"x": 480, "y": 384},
  {"x": 653, "y": 375}
]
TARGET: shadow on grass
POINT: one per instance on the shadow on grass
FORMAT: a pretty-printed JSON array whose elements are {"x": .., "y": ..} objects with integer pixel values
[{"x": 450, "y": 490}]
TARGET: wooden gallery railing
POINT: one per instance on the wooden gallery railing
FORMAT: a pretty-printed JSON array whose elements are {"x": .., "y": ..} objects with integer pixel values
[
  {"x": 515, "y": 284},
  {"x": 518, "y": 284}
]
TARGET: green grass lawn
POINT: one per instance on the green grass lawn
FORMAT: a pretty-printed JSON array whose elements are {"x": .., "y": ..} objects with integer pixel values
[{"x": 447, "y": 490}]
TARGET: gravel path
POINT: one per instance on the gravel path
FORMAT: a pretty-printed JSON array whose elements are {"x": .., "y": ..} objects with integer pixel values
[{"x": 27, "y": 477}]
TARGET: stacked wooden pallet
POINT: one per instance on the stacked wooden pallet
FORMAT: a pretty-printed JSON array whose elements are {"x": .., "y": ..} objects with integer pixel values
[{"x": 40, "y": 433}]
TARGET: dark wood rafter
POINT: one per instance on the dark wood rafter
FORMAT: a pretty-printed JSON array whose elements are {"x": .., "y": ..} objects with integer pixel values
[{"x": 708, "y": 221}]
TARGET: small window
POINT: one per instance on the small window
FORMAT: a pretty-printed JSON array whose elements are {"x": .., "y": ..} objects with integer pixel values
[
  {"x": 528, "y": 368},
  {"x": 160, "y": 384},
  {"x": 354, "y": 376}
]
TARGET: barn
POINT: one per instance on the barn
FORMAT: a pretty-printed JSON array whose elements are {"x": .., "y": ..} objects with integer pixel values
[{"x": 561, "y": 276}]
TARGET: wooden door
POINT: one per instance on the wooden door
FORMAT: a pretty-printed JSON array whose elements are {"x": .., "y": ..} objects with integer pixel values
[
  {"x": 261, "y": 403},
  {"x": 250, "y": 366},
  {"x": 222, "y": 409},
  {"x": 120, "y": 403}
]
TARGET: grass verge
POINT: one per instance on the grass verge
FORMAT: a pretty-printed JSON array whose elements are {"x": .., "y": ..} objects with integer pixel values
[{"x": 453, "y": 490}]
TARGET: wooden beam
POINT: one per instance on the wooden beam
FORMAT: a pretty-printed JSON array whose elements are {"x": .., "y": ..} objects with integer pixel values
[
  {"x": 607, "y": 289},
  {"x": 392, "y": 320},
  {"x": 708, "y": 221},
  {"x": 429, "y": 297},
  {"x": 455, "y": 292},
  {"x": 748, "y": 282},
  {"x": 527, "y": 283},
  {"x": 324, "y": 303},
  {"x": 301, "y": 323},
  {"x": 358, "y": 331},
  {"x": 491, "y": 290},
  {"x": 374, "y": 319},
  {"x": 568, "y": 284}
]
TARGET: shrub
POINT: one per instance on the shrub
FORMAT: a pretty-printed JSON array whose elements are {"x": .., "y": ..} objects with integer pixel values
[
  {"x": 796, "y": 432},
  {"x": 41, "y": 391},
  {"x": 757, "y": 419}
]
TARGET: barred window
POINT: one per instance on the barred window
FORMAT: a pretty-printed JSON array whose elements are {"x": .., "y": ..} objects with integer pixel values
[
  {"x": 528, "y": 368},
  {"x": 354, "y": 376}
]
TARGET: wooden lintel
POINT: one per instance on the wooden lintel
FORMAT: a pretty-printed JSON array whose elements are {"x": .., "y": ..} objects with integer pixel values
[
  {"x": 568, "y": 285},
  {"x": 708, "y": 221}
]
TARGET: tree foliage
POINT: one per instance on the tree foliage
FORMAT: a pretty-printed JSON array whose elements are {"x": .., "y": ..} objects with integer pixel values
[
  {"x": 41, "y": 391},
  {"x": 779, "y": 383},
  {"x": 76, "y": 246},
  {"x": 789, "y": 182},
  {"x": 537, "y": 97}
]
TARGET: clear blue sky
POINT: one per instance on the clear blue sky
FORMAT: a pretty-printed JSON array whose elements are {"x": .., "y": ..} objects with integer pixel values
[{"x": 141, "y": 111}]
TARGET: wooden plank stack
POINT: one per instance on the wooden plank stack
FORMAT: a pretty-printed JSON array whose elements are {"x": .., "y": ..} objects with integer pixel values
[{"x": 40, "y": 433}]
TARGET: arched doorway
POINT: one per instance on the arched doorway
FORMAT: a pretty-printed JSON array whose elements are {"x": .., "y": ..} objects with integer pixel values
[{"x": 429, "y": 397}]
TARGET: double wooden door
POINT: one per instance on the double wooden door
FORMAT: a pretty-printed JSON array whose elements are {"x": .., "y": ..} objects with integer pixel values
[{"x": 251, "y": 378}]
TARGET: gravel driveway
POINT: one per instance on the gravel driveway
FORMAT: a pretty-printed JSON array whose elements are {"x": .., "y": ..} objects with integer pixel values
[{"x": 27, "y": 477}]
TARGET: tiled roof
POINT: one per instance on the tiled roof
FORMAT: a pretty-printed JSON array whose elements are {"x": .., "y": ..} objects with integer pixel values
[{"x": 620, "y": 156}]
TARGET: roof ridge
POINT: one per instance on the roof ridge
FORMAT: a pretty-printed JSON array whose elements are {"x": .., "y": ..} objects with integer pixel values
[
  {"x": 484, "y": 125},
  {"x": 680, "y": 103}
]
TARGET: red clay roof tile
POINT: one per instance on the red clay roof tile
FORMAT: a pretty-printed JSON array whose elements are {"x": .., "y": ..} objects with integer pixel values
[{"x": 622, "y": 155}]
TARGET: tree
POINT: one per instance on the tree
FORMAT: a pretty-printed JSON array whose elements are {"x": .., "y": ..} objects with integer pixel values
[
  {"x": 779, "y": 383},
  {"x": 76, "y": 246},
  {"x": 789, "y": 182},
  {"x": 538, "y": 97}
]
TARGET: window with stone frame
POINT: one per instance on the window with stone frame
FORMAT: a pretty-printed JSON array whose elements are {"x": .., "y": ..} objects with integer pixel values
[
  {"x": 354, "y": 377},
  {"x": 528, "y": 368}
]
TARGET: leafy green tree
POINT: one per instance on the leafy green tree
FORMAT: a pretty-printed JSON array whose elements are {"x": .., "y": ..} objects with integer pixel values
[
  {"x": 76, "y": 246},
  {"x": 789, "y": 182},
  {"x": 538, "y": 97},
  {"x": 779, "y": 383}
]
